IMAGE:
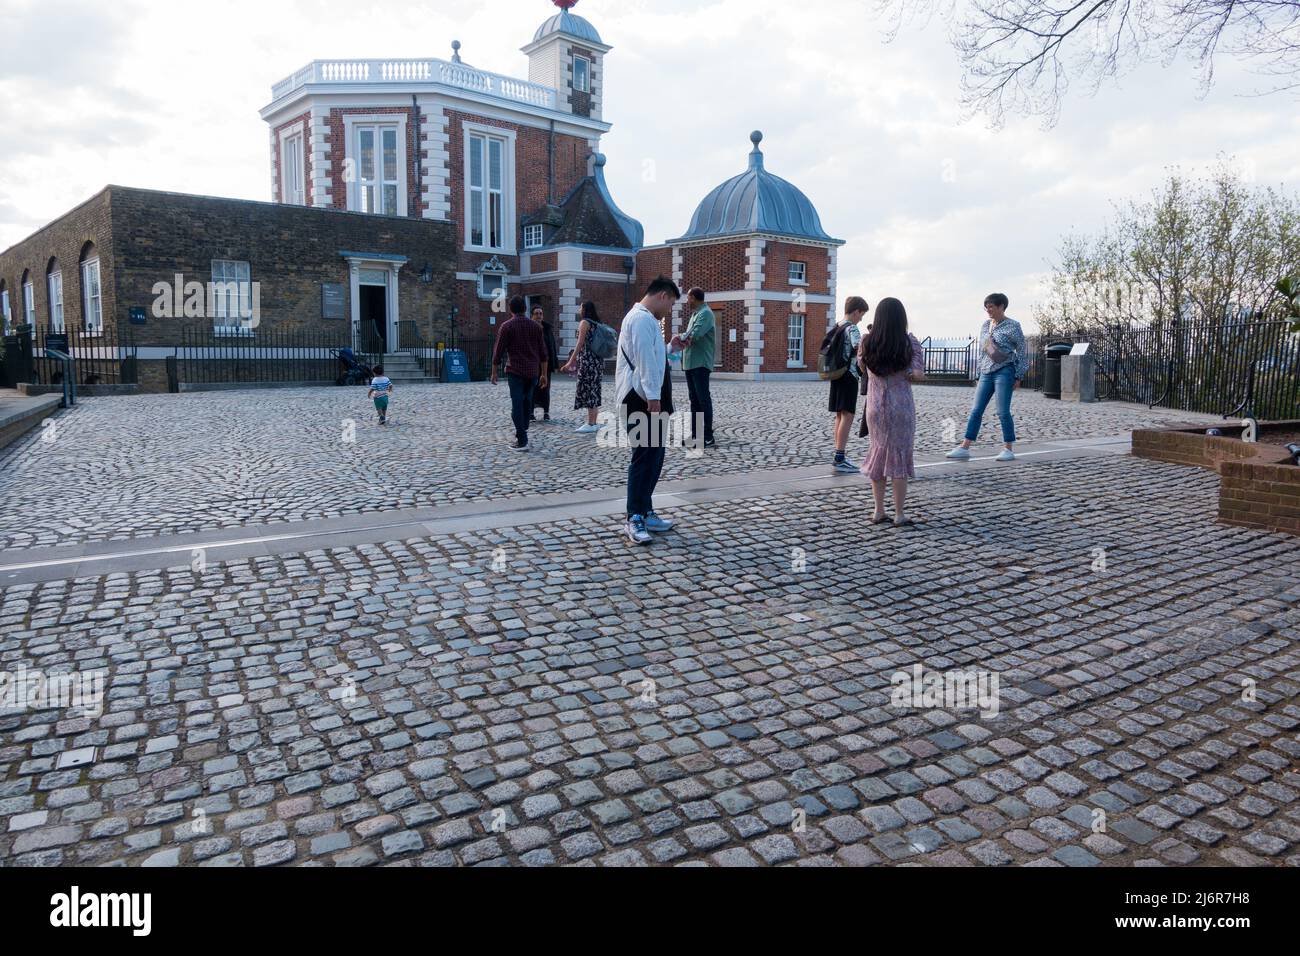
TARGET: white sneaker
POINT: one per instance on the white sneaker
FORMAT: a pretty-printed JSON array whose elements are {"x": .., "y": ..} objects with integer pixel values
[
  {"x": 1007, "y": 455},
  {"x": 636, "y": 531},
  {"x": 959, "y": 454},
  {"x": 587, "y": 430}
]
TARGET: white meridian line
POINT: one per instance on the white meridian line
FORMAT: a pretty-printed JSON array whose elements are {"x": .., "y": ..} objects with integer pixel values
[{"x": 269, "y": 539}]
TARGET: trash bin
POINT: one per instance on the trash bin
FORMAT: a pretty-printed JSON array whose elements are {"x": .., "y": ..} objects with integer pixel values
[{"x": 1052, "y": 369}]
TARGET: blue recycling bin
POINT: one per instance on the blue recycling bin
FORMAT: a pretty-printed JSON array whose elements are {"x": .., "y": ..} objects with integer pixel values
[{"x": 455, "y": 366}]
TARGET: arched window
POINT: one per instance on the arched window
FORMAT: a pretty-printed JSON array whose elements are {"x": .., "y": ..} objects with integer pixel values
[
  {"x": 92, "y": 298},
  {"x": 5, "y": 315},
  {"x": 29, "y": 300},
  {"x": 54, "y": 286}
]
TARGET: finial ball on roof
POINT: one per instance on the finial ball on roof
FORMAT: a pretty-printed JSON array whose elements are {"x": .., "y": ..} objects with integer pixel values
[{"x": 756, "y": 137}]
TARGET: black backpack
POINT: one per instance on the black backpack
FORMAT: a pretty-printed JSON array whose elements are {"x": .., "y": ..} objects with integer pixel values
[{"x": 831, "y": 363}]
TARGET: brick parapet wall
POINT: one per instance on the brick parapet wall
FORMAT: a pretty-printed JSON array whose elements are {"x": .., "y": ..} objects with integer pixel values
[{"x": 1258, "y": 486}]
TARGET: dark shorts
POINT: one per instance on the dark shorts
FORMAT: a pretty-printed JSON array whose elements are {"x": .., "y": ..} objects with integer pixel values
[{"x": 844, "y": 394}]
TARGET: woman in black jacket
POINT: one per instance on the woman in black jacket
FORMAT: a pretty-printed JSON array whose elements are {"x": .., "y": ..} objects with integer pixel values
[{"x": 542, "y": 396}]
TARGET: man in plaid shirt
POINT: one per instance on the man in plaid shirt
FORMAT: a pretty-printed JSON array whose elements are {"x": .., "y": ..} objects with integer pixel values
[{"x": 523, "y": 342}]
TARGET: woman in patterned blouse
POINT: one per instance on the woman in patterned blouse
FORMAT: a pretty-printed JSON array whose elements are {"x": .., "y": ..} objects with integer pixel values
[{"x": 1003, "y": 362}]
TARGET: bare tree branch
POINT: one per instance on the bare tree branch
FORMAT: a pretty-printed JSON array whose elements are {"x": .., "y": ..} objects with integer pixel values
[{"x": 1019, "y": 56}]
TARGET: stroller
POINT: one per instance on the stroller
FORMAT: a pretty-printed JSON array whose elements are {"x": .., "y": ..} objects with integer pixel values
[{"x": 351, "y": 372}]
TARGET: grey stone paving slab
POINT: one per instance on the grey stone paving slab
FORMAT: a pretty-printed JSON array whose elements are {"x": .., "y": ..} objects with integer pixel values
[
  {"x": 261, "y": 459},
  {"x": 723, "y": 699}
]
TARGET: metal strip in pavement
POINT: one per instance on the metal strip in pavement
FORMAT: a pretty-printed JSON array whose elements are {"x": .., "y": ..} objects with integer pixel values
[{"x": 450, "y": 519}]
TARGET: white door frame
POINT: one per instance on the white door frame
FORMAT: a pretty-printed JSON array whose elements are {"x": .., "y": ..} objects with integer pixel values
[{"x": 391, "y": 265}]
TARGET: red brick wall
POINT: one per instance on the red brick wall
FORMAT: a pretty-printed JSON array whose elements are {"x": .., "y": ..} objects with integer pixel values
[
  {"x": 304, "y": 123},
  {"x": 651, "y": 263},
  {"x": 545, "y": 262},
  {"x": 532, "y": 147},
  {"x": 719, "y": 267},
  {"x": 1192, "y": 447},
  {"x": 603, "y": 262},
  {"x": 1258, "y": 487},
  {"x": 609, "y": 298},
  {"x": 1260, "y": 495},
  {"x": 779, "y": 256},
  {"x": 731, "y": 355}
]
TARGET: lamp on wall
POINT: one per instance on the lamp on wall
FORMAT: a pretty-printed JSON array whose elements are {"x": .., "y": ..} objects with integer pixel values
[
  {"x": 426, "y": 274},
  {"x": 629, "y": 265}
]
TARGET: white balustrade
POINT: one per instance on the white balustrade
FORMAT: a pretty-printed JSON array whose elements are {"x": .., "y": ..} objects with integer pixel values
[{"x": 402, "y": 71}]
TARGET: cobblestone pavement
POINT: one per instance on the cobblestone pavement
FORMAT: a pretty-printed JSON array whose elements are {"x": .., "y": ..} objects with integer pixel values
[
  {"x": 545, "y": 695},
  {"x": 168, "y": 464}
]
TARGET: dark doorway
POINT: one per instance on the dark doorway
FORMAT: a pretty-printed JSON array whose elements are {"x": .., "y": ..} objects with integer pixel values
[{"x": 374, "y": 315}]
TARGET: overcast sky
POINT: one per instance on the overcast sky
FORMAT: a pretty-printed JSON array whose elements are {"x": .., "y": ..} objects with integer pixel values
[{"x": 165, "y": 96}]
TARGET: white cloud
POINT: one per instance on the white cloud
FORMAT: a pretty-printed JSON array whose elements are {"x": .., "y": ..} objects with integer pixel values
[{"x": 937, "y": 211}]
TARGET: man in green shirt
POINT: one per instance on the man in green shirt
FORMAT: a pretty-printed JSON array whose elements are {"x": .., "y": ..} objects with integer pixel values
[{"x": 698, "y": 351}]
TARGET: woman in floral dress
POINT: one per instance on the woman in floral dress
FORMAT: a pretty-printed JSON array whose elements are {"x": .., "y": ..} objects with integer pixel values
[
  {"x": 894, "y": 359},
  {"x": 590, "y": 370}
]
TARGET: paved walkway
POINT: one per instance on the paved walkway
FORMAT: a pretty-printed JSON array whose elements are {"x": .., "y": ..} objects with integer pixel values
[
  {"x": 147, "y": 465},
  {"x": 510, "y": 684}
]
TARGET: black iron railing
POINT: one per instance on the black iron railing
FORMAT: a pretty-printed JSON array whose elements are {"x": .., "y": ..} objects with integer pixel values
[
  {"x": 260, "y": 357},
  {"x": 950, "y": 359},
  {"x": 1229, "y": 368},
  {"x": 96, "y": 358},
  {"x": 410, "y": 341}
]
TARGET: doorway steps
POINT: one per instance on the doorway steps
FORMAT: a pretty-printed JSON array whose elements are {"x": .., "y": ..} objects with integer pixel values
[{"x": 404, "y": 369}]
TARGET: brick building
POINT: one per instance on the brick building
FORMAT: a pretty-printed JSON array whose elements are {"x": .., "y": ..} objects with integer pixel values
[
  {"x": 430, "y": 191},
  {"x": 165, "y": 256},
  {"x": 757, "y": 247},
  {"x": 516, "y": 167}
]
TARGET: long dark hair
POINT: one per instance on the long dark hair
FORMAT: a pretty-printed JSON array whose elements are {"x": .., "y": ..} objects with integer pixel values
[
  {"x": 589, "y": 312},
  {"x": 887, "y": 349}
]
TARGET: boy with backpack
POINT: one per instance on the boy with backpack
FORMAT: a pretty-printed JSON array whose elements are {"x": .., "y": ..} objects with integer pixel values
[
  {"x": 838, "y": 365},
  {"x": 381, "y": 387}
]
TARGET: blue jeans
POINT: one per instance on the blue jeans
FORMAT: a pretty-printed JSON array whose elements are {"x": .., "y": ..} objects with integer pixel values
[
  {"x": 521, "y": 404},
  {"x": 1002, "y": 382}
]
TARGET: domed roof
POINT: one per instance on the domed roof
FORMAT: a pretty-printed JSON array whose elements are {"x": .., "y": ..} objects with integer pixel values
[
  {"x": 568, "y": 23},
  {"x": 757, "y": 201}
]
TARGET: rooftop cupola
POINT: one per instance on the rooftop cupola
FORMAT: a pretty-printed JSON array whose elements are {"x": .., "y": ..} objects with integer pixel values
[{"x": 567, "y": 54}]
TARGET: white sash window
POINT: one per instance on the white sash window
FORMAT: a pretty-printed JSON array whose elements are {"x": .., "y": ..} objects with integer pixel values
[
  {"x": 490, "y": 223},
  {"x": 291, "y": 165},
  {"x": 795, "y": 359},
  {"x": 377, "y": 170},
  {"x": 56, "y": 301},
  {"x": 93, "y": 304}
]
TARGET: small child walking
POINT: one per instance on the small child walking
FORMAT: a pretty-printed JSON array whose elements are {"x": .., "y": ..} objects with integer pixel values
[{"x": 381, "y": 387}]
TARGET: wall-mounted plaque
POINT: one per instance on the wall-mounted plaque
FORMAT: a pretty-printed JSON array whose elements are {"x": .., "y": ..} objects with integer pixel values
[{"x": 333, "y": 304}]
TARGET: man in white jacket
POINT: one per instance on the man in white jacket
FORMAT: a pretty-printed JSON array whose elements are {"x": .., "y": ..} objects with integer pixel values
[{"x": 645, "y": 394}]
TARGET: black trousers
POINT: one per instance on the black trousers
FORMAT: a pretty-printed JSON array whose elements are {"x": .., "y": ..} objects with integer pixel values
[
  {"x": 521, "y": 404},
  {"x": 697, "y": 386},
  {"x": 542, "y": 400},
  {"x": 649, "y": 440}
]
